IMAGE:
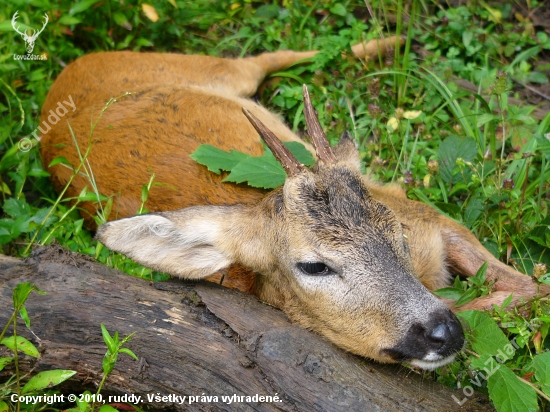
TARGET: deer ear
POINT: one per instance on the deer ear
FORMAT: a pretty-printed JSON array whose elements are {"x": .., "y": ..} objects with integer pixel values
[
  {"x": 346, "y": 151},
  {"x": 192, "y": 243}
]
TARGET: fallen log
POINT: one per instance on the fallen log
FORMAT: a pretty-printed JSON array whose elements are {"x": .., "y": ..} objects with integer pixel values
[{"x": 200, "y": 340}]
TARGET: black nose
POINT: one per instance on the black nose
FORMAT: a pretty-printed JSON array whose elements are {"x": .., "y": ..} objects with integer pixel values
[
  {"x": 440, "y": 333},
  {"x": 437, "y": 338},
  {"x": 443, "y": 334}
]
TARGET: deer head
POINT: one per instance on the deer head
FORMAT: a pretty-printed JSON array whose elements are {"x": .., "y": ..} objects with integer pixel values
[
  {"x": 29, "y": 40},
  {"x": 329, "y": 254}
]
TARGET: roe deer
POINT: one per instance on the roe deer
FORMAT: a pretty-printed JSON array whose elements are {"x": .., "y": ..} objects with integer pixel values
[{"x": 328, "y": 247}]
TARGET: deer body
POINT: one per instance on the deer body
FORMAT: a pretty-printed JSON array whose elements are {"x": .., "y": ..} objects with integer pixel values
[{"x": 328, "y": 247}]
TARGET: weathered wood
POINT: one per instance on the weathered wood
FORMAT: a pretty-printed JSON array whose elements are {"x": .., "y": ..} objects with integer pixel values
[{"x": 199, "y": 338}]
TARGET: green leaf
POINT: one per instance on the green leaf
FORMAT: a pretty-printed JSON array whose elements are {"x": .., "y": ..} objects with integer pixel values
[
  {"x": 486, "y": 336},
  {"x": 109, "y": 361},
  {"x": 107, "y": 408},
  {"x": 479, "y": 278},
  {"x": 7, "y": 230},
  {"x": 21, "y": 293},
  {"x": 59, "y": 160},
  {"x": 451, "y": 149},
  {"x": 67, "y": 20},
  {"x": 299, "y": 151},
  {"x": 449, "y": 293},
  {"x": 38, "y": 218},
  {"x": 25, "y": 316},
  {"x": 468, "y": 296},
  {"x": 507, "y": 301},
  {"x": 129, "y": 353},
  {"x": 467, "y": 37},
  {"x": 541, "y": 363},
  {"x": 524, "y": 118},
  {"x": 4, "y": 362},
  {"x": 82, "y": 6},
  {"x": 484, "y": 363},
  {"x": 267, "y": 11},
  {"x": 216, "y": 159},
  {"x": 121, "y": 20},
  {"x": 86, "y": 196},
  {"x": 144, "y": 42},
  {"x": 23, "y": 345},
  {"x": 12, "y": 157},
  {"x": 264, "y": 172},
  {"x": 473, "y": 210},
  {"x": 339, "y": 10},
  {"x": 16, "y": 207},
  {"x": 509, "y": 394},
  {"x": 108, "y": 340},
  {"x": 524, "y": 56},
  {"x": 537, "y": 77},
  {"x": 81, "y": 404},
  {"x": 47, "y": 379}
]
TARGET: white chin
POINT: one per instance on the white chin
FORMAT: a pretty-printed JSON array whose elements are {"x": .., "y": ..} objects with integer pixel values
[{"x": 430, "y": 365}]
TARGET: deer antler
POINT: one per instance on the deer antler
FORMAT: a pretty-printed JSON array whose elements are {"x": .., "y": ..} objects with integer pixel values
[
  {"x": 29, "y": 40},
  {"x": 13, "y": 19},
  {"x": 316, "y": 134},
  {"x": 46, "y": 19},
  {"x": 282, "y": 154}
]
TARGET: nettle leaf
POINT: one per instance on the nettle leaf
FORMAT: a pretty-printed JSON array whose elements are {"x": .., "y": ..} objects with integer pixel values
[
  {"x": 261, "y": 171},
  {"x": 216, "y": 159},
  {"x": 452, "y": 148},
  {"x": 264, "y": 172},
  {"x": 510, "y": 394},
  {"x": 486, "y": 336},
  {"x": 541, "y": 363},
  {"x": 16, "y": 207},
  {"x": 300, "y": 152},
  {"x": 484, "y": 363}
]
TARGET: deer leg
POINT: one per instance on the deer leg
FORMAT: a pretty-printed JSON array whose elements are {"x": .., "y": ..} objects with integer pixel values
[
  {"x": 273, "y": 62},
  {"x": 486, "y": 302},
  {"x": 465, "y": 255},
  {"x": 250, "y": 72}
]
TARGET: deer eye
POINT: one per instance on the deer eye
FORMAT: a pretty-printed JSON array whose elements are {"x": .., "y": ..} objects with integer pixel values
[{"x": 314, "y": 268}]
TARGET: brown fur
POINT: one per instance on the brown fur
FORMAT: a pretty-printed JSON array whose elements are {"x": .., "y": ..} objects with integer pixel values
[{"x": 179, "y": 102}]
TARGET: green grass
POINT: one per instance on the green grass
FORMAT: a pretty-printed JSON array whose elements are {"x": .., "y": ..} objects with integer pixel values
[{"x": 474, "y": 156}]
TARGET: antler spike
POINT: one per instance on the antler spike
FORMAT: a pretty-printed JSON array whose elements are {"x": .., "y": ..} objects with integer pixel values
[
  {"x": 13, "y": 21},
  {"x": 315, "y": 131},
  {"x": 282, "y": 154}
]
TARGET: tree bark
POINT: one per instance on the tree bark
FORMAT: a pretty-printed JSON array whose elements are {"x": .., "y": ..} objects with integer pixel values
[{"x": 198, "y": 339}]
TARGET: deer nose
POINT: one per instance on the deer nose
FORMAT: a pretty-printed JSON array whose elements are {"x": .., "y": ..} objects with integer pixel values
[
  {"x": 444, "y": 335},
  {"x": 440, "y": 333},
  {"x": 438, "y": 338}
]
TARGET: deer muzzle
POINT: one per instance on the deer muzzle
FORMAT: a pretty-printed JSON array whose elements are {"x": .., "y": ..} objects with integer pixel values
[{"x": 431, "y": 344}]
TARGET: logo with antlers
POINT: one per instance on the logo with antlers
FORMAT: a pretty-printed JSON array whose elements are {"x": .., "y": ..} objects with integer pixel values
[{"x": 29, "y": 40}]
